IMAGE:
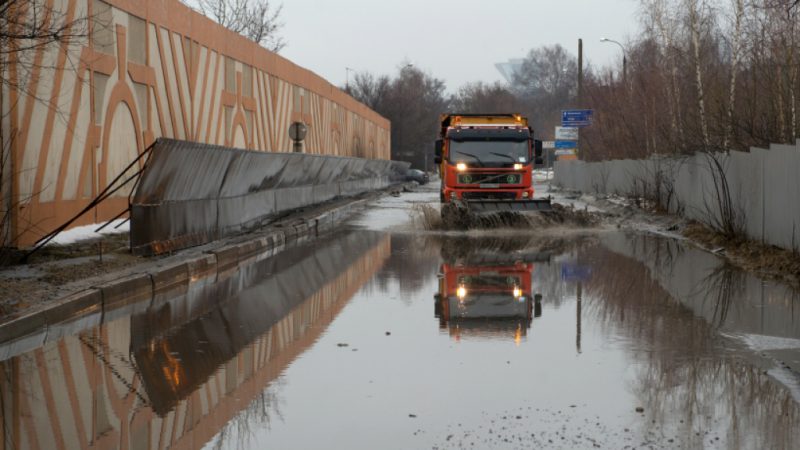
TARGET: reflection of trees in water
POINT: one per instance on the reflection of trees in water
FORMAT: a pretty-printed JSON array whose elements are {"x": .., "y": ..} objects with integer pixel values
[
  {"x": 683, "y": 369},
  {"x": 530, "y": 248},
  {"x": 256, "y": 416},
  {"x": 661, "y": 252},
  {"x": 747, "y": 407},
  {"x": 414, "y": 259},
  {"x": 719, "y": 287},
  {"x": 547, "y": 282}
]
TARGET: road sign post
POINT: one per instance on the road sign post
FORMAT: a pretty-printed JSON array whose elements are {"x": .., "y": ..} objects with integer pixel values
[{"x": 297, "y": 132}]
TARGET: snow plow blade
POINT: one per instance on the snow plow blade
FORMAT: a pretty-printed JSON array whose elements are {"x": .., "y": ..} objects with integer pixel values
[
  {"x": 480, "y": 206},
  {"x": 488, "y": 214}
]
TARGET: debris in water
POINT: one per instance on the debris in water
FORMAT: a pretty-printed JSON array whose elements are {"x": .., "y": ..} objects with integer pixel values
[{"x": 457, "y": 215}]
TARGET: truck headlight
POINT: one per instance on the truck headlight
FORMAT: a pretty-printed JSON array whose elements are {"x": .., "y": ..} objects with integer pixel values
[
  {"x": 461, "y": 167},
  {"x": 461, "y": 292},
  {"x": 517, "y": 166},
  {"x": 517, "y": 292}
]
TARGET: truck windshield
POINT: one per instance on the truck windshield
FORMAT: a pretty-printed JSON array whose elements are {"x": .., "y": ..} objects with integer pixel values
[{"x": 489, "y": 152}]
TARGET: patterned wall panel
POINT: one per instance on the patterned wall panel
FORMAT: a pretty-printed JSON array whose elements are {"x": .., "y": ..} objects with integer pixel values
[{"x": 152, "y": 68}]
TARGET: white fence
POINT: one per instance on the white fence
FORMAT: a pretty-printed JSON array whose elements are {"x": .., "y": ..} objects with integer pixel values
[{"x": 764, "y": 187}]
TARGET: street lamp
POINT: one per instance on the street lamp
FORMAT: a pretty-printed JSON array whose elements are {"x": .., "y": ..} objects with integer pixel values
[
  {"x": 624, "y": 59},
  {"x": 347, "y": 71}
]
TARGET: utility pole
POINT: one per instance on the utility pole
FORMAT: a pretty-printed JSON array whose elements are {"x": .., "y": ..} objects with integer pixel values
[
  {"x": 580, "y": 92},
  {"x": 580, "y": 72}
]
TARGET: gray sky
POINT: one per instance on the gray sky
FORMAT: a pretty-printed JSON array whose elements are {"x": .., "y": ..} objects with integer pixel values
[{"x": 457, "y": 41}]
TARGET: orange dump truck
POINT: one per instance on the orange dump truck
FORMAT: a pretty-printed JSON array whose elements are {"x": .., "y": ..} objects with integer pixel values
[
  {"x": 487, "y": 160},
  {"x": 486, "y": 299}
]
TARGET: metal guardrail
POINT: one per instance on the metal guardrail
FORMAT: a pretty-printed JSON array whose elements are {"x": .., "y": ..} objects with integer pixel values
[{"x": 192, "y": 193}]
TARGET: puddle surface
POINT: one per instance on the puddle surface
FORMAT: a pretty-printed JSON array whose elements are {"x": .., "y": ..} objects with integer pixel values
[{"x": 375, "y": 340}]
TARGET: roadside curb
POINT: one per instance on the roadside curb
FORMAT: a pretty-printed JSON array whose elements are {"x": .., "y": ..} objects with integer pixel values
[{"x": 36, "y": 326}]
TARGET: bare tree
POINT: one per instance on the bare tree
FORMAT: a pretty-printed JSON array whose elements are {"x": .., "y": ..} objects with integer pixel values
[
  {"x": 370, "y": 90},
  {"x": 482, "y": 98},
  {"x": 545, "y": 83},
  {"x": 254, "y": 19},
  {"x": 412, "y": 101}
]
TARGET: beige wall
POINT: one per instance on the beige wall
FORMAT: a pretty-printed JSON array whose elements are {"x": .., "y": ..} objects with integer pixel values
[{"x": 154, "y": 68}]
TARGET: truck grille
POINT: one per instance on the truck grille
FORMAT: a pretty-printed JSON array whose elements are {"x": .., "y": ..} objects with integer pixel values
[
  {"x": 489, "y": 178},
  {"x": 489, "y": 195}
]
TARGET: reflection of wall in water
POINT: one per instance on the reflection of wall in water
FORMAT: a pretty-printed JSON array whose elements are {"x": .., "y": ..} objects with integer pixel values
[
  {"x": 733, "y": 300},
  {"x": 678, "y": 367},
  {"x": 84, "y": 390}
]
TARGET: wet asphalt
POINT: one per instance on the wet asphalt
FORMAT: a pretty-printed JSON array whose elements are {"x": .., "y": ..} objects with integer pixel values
[{"x": 386, "y": 336}]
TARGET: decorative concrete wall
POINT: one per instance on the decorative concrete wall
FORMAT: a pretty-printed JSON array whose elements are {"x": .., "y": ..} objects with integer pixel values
[{"x": 152, "y": 68}]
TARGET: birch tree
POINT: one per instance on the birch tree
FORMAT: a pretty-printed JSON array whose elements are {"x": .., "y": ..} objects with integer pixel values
[
  {"x": 695, "y": 18},
  {"x": 736, "y": 49}
]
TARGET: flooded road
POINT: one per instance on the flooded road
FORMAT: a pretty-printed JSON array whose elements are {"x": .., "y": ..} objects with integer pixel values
[{"x": 395, "y": 339}]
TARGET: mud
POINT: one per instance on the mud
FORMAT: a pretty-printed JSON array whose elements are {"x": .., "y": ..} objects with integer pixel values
[
  {"x": 457, "y": 216},
  {"x": 23, "y": 284}
]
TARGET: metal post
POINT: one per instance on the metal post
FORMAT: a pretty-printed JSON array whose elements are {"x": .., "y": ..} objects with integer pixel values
[
  {"x": 580, "y": 72},
  {"x": 624, "y": 59},
  {"x": 347, "y": 79},
  {"x": 624, "y": 69},
  {"x": 578, "y": 319}
]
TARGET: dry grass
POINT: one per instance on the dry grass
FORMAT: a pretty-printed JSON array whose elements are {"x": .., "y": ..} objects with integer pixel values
[{"x": 768, "y": 260}]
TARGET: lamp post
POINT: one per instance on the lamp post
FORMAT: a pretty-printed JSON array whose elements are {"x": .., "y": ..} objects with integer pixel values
[
  {"x": 347, "y": 71},
  {"x": 624, "y": 59}
]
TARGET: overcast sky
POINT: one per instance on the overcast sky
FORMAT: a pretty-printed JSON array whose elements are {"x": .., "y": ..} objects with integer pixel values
[{"x": 457, "y": 41}]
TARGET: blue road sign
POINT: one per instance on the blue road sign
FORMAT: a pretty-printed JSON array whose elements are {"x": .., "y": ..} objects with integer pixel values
[
  {"x": 576, "y": 117},
  {"x": 571, "y": 272},
  {"x": 566, "y": 144}
]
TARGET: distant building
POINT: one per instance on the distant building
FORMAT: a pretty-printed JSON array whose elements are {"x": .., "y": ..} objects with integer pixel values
[{"x": 508, "y": 69}]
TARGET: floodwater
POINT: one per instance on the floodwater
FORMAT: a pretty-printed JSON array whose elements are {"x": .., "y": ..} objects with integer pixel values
[{"x": 365, "y": 340}]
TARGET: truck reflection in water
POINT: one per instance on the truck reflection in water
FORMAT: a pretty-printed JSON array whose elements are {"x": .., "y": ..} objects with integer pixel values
[{"x": 487, "y": 295}]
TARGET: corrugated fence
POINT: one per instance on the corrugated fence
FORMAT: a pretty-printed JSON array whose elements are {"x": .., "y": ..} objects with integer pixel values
[
  {"x": 764, "y": 187},
  {"x": 191, "y": 193}
]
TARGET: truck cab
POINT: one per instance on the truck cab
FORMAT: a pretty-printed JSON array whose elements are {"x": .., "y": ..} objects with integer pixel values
[{"x": 486, "y": 157}]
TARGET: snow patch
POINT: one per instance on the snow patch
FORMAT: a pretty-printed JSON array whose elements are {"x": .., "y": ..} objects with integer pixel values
[
  {"x": 760, "y": 342},
  {"x": 85, "y": 232}
]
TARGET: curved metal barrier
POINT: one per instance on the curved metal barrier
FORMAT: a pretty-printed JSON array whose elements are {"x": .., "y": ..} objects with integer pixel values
[{"x": 192, "y": 193}]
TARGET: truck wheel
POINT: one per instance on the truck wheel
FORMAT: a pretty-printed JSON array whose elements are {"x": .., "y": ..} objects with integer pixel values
[{"x": 441, "y": 197}]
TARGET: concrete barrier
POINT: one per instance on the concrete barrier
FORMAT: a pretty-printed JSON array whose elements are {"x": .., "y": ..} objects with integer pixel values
[{"x": 192, "y": 193}]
